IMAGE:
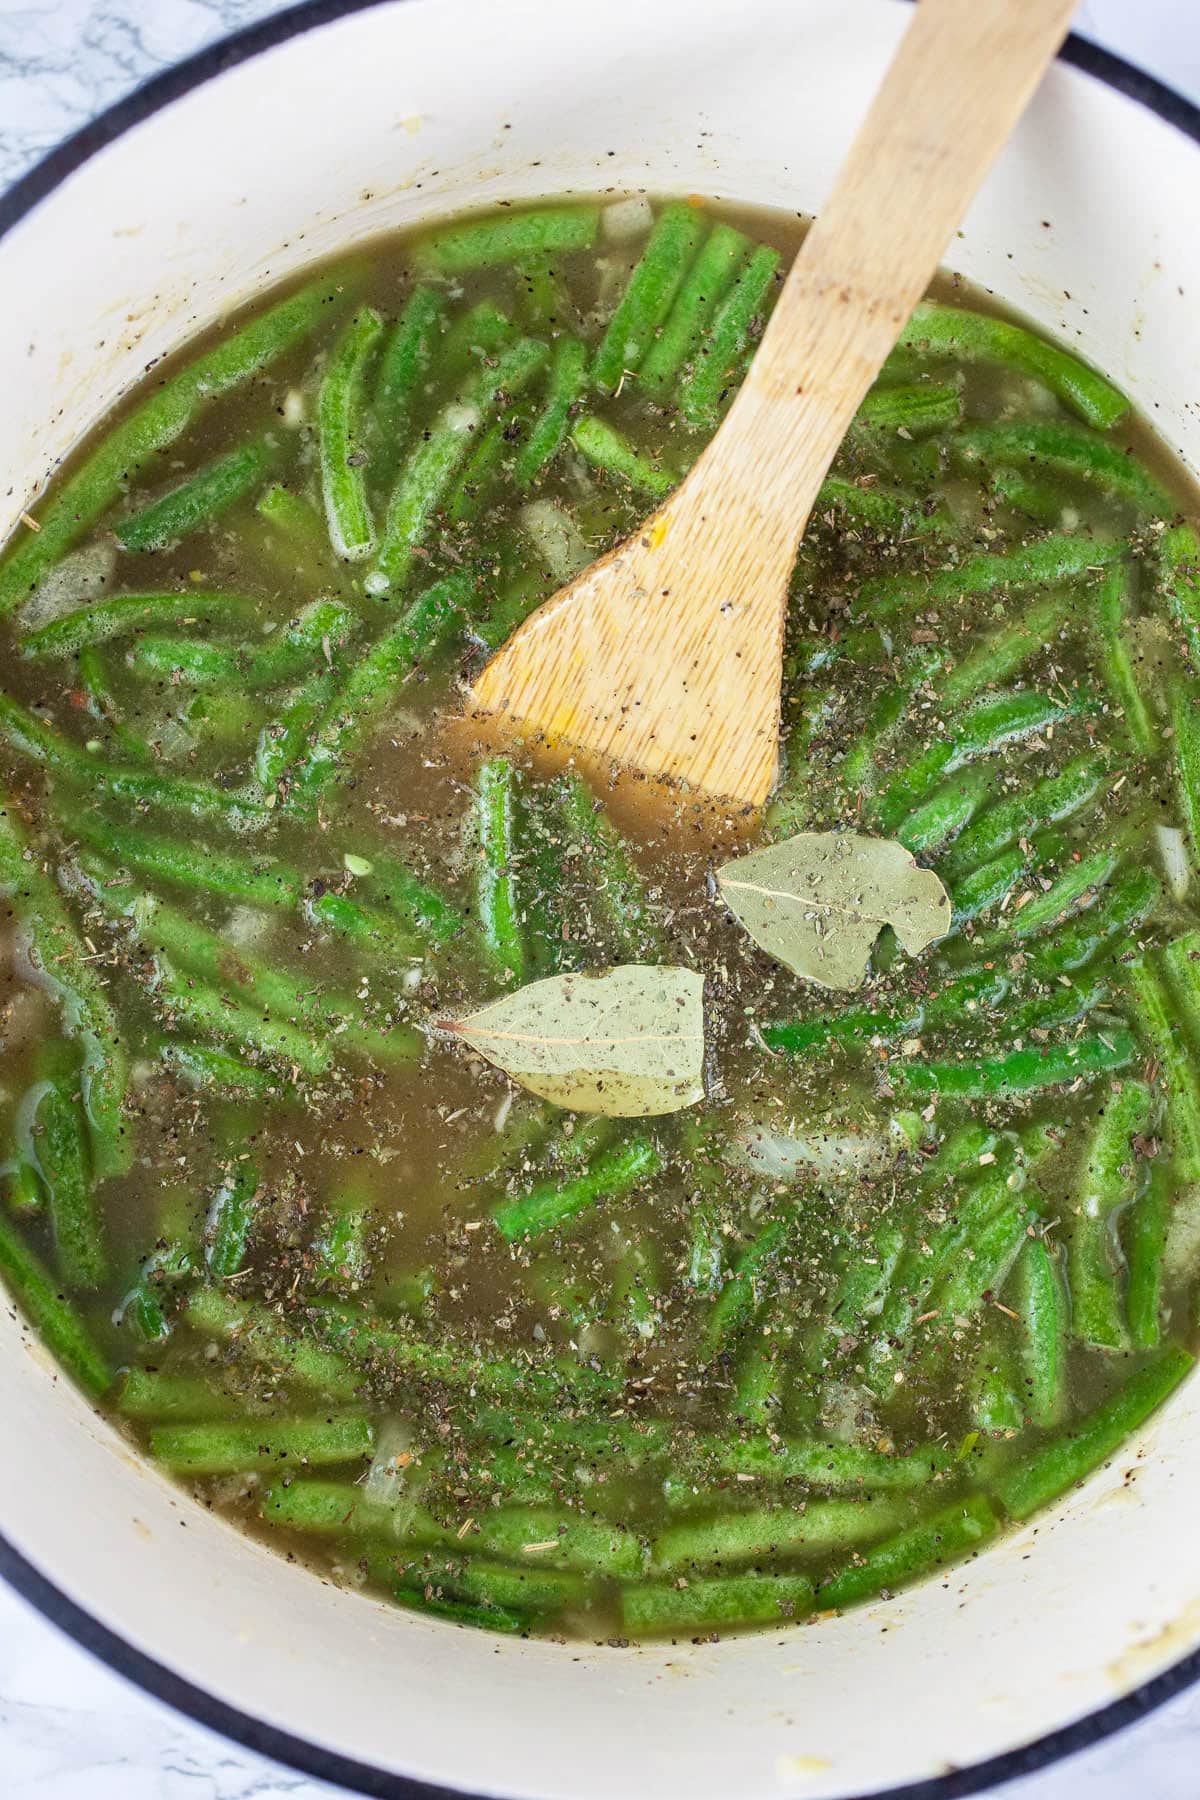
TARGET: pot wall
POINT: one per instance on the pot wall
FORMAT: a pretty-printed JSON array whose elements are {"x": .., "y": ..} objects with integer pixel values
[{"x": 397, "y": 113}]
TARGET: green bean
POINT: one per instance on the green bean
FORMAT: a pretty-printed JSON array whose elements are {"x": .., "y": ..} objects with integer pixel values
[
  {"x": 23, "y": 1189},
  {"x": 1155, "y": 1020},
  {"x": 339, "y": 1254},
  {"x": 954, "y": 333},
  {"x": 1052, "y": 799},
  {"x": 404, "y": 365},
  {"x": 1048, "y": 560},
  {"x": 1181, "y": 963},
  {"x": 996, "y": 1405},
  {"x": 206, "y": 1067},
  {"x": 915, "y": 408},
  {"x": 887, "y": 715},
  {"x": 1179, "y": 563},
  {"x": 1005, "y": 651},
  {"x": 1065, "y": 1461},
  {"x": 861, "y": 1294},
  {"x": 365, "y": 927},
  {"x": 985, "y": 728},
  {"x": 550, "y": 1204},
  {"x": 1066, "y": 449},
  {"x": 199, "y": 868},
  {"x": 739, "y": 1537},
  {"x": 613, "y": 880},
  {"x": 60, "y": 960},
  {"x": 549, "y": 1537},
  {"x": 30, "y": 737},
  {"x": 760, "y": 1375},
  {"x": 231, "y": 1219},
  {"x": 370, "y": 687},
  {"x": 1109, "y": 1180},
  {"x": 395, "y": 1354},
  {"x": 341, "y": 1508},
  {"x": 1064, "y": 1005},
  {"x": 707, "y": 1604},
  {"x": 703, "y": 386},
  {"x": 935, "y": 822},
  {"x": 285, "y": 737},
  {"x": 827, "y": 1465},
  {"x": 1145, "y": 1241},
  {"x": 319, "y": 628},
  {"x": 987, "y": 885},
  {"x": 943, "y": 1537},
  {"x": 58, "y": 1148},
  {"x": 1041, "y": 501},
  {"x": 918, "y": 1271},
  {"x": 418, "y": 905},
  {"x": 244, "y": 1446},
  {"x": 897, "y": 512},
  {"x": 742, "y": 1292},
  {"x": 125, "y": 613},
  {"x": 168, "y": 1264},
  {"x": 51, "y": 1314},
  {"x": 198, "y": 500},
  {"x": 255, "y": 1331},
  {"x": 155, "y": 1394},
  {"x": 480, "y": 332},
  {"x": 296, "y": 522},
  {"x": 1185, "y": 741},
  {"x": 1074, "y": 890},
  {"x": 496, "y": 901},
  {"x": 492, "y": 455},
  {"x": 706, "y": 282},
  {"x": 1131, "y": 899},
  {"x": 206, "y": 954},
  {"x": 1111, "y": 608},
  {"x": 669, "y": 254},
  {"x": 1020, "y": 1071},
  {"x": 495, "y": 1586},
  {"x": 103, "y": 704},
  {"x": 439, "y": 456},
  {"x": 153, "y": 426},
  {"x": 489, "y": 243},
  {"x": 989, "y": 1256},
  {"x": 1041, "y": 1300},
  {"x": 607, "y": 449},
  {"x": 960, "y": 994},
  {"x": 206, "y": 1009},
  {"x": 568, "y": 372}
]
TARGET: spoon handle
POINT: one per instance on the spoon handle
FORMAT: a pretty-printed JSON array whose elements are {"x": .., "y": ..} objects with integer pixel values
[{"x": 952, "y": 94}]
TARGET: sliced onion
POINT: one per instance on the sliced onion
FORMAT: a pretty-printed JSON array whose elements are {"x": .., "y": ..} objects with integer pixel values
[
  {"x": 387, "y": 1478},
  {"x": 1173, "y": 855},
  {"x": 555, "y": 536},
  {"x": 785, "y": 1156},
  {"x": 76, "y": 581},
  {"x": 626, "y": 219}
]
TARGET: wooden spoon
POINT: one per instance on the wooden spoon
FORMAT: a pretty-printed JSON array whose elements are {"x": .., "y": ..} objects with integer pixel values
[{"x": 667, "y": 654}]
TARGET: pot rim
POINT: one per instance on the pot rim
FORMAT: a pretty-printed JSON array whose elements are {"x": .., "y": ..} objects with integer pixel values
[{"x": 107, "y": 1645}]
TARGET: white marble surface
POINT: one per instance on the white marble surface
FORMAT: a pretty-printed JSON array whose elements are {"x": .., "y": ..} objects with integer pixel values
[{"x": 69, "y": 1729}]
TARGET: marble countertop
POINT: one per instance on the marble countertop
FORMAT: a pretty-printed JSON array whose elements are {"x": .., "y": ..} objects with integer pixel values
[{"x": 69, "y": 1728}]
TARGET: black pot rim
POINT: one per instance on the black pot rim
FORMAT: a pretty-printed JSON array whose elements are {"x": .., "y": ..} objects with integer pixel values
[{"x": 108, "y": 1646}]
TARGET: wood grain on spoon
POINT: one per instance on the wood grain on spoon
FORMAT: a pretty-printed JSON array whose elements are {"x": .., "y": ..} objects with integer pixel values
[{"x": 667, "y": 654}]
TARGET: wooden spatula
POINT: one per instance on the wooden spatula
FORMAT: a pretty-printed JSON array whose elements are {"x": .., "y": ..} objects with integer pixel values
[{"x": 667, "y": 654}]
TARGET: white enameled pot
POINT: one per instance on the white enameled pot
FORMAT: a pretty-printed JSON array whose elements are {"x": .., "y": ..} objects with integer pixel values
[{"x": 334, "y": 123}]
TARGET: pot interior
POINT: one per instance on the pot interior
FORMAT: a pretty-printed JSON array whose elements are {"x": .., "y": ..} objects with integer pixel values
[{"x": 403, "y": 112}]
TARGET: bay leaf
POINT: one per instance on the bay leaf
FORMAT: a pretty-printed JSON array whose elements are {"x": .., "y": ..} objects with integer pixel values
[
  {"x": 629, "y": 1042},
  {"x": 818, "y": 901}
]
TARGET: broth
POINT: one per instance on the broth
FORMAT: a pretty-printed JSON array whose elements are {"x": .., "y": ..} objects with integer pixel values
[{"x": 922, "y": 1256}]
